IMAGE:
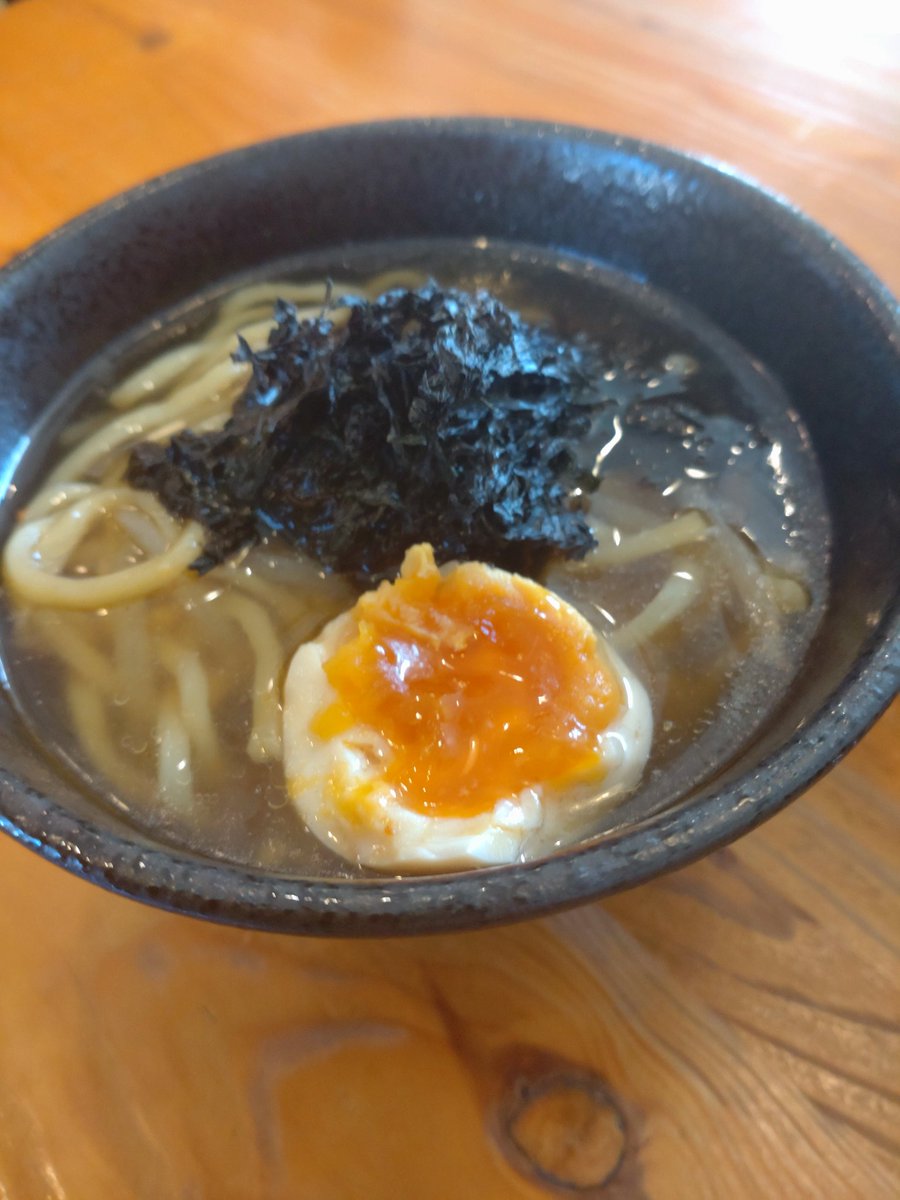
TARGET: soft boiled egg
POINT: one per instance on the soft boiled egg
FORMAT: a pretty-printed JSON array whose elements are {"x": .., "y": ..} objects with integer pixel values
[{"x": 457, "y": 718}]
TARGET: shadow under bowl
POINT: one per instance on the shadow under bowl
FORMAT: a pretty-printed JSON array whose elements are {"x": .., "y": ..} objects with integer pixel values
[{"x": 792, "y": 297}]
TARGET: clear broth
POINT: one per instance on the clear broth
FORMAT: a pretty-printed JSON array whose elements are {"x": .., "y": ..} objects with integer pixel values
[{"x": 729, "y": 444}]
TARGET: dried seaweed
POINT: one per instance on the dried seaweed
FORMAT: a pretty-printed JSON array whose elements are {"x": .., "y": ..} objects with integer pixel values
[{"x": 431, "y": 415}]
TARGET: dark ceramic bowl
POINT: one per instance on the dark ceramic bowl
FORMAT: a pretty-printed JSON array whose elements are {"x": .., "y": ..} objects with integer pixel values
[{"x": 778, "y": 284}]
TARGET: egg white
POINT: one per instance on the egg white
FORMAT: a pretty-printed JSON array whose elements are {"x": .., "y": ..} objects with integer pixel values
[{"x": 387, "y": 835}]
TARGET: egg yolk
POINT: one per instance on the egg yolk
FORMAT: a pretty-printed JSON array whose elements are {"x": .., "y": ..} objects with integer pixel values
[{"x": 482, "y": 683}]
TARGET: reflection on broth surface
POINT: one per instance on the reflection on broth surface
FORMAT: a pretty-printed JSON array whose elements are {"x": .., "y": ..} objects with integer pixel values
[{"x": 167, "y": 697}]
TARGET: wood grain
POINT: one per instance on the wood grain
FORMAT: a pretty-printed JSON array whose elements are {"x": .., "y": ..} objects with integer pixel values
[
  {"x": 786, "y": 92},
  {"x": 167, "y": 1058},
  {"x": 733, "y": 1029}
]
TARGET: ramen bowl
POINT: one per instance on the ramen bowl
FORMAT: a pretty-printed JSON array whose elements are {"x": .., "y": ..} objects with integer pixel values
[{"x": 797, "y": 303}]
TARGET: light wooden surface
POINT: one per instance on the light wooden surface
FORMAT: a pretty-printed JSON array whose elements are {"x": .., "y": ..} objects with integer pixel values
[{"x": 742, "y": 1013}]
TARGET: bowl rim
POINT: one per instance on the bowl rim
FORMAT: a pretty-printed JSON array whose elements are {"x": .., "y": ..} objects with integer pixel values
[{"x": 391, "y": 905}]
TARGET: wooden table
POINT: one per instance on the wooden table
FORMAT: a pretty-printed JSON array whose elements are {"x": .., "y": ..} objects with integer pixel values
[{"x": 742, "y": 1013}]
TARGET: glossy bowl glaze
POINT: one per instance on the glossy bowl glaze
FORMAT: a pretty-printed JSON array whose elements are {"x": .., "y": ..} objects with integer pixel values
[{"x": 775, "y": 282}]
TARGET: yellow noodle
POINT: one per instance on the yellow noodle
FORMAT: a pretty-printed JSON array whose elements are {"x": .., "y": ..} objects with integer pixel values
[
  {"x": 790, "y": 595},
  {"x": 114, "y": 474},
  {"x": 294, "y": 587},
  {"x": 265, "y": 736},
  {"x": 142, "y": 529},
  {"x": 403, "y": 277},
  {"x": 133, "y": 653},
  {"x": 174, "y": 773},
  {"x": 612, "y": 508},
  {"x": 192, "y": 683},
  {"x": 62, "y": 530},
  {"x": 161, "y": 372},
  {"x": 760, "y": 607},
  {"x": 222, "y": 340},
  {"x": 257, "y": 334},
  {"x": 185, "y": 363},
  {"x": 298, "y": 571},
  {"x": 88, "y": 713},
  {"x": 211, "y": 351},
  {"x": 614, "y": 549},
  {"x": 277, "y": 595},
  {"x": 255, "y": 323},
  {"x": 212, "y": 424},
  {"x": 77, "y": 430},
  {"x": 672, "y": 600},
  {"x": 56, "y": 632},
  {"x": 227, "y": 661},
  {"x": 265, "y": 294},
  {"x": 37, "y": 581},
  {"x": 253, "y": 303},
  {"x": 213, "y": 393},
  {"x": 308, "y": 626},
  {"x": 746, "y": 575},
  {"x": 65, "y": 528},
  {"x": 248, "y": 311},
  {"x": 293, "y": 594},
  {"x": 60, "y": 496},
  {"x": 216, "y": 388},
  {"x": 304, "y": 595}
]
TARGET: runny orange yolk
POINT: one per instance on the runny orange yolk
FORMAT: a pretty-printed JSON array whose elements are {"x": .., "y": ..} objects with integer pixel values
[{"x": 482, "y": 683}]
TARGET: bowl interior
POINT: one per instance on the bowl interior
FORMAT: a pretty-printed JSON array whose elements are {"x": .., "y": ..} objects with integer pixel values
[{"x": 767, "y": 277}]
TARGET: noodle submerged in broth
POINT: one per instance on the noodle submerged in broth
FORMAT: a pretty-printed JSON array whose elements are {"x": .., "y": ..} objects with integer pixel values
[{"x": 678, "y": 463}]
